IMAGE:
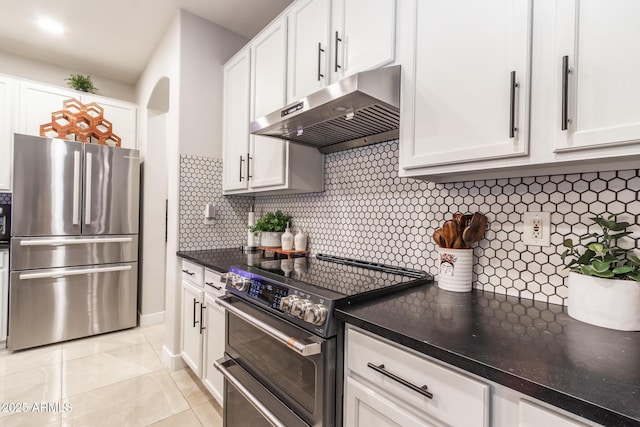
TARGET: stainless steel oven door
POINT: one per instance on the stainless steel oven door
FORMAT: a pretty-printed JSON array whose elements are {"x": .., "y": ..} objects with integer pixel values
[
  {"x": 294, "y": 365},
  {"x": 249, "y": 403}
]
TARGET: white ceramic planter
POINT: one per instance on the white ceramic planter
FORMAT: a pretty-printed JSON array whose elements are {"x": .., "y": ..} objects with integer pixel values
[
  {"x": 270, "y": 239},
  {"x": 609, "y": 303},
  {"x": 455, "y": 269}
]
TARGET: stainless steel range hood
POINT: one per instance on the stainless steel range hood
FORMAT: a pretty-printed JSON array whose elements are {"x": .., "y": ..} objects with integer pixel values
[{"x": 358, "y": 110}]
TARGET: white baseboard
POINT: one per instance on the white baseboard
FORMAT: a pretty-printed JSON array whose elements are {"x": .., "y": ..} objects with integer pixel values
[
  {"x": 151, "y": 319},
  {"x": 173, "y": 362}
]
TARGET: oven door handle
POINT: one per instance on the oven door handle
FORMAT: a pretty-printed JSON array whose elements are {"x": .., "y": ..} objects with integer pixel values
[
  {"x": 309, "y": 348},
  {"x": 247, "y": 395}
]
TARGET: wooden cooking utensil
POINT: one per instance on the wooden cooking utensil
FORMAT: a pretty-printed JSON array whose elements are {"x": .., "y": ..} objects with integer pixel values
[
  {"x": 450, "y": 232},
  {"x": 476, "y": 229},
  {"x": 437, "y": 237}
]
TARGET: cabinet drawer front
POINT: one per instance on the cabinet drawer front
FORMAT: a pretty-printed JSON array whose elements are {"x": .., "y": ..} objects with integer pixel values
[
  {"x": 214, "y": 284},
  {"x": 457, "y": 399},
  {"x": 193, "y": 273}
]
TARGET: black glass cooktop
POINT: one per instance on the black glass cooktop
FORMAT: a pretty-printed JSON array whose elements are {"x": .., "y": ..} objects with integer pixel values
[{"x": 338, "y": 277}]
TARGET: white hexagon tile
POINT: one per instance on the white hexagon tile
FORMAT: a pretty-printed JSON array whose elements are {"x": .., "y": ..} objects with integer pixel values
[{"x": 368, "y": 212}]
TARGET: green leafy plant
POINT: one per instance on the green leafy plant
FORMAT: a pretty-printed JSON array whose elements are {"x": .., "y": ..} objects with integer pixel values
[
  {"x": 271, "y": 222},
  {"x": 602, "y": 257},
  {"x": 81, "y": 82}
]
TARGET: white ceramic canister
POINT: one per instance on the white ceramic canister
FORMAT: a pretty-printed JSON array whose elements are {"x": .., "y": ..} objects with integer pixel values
[
  {"x": 455, "y": 269},
  {"x": 300, "y": 242},
  {"x": 287, "y": 239}
]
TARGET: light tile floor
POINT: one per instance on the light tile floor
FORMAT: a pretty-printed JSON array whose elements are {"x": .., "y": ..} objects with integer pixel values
[{"x": 107, "y": 380}]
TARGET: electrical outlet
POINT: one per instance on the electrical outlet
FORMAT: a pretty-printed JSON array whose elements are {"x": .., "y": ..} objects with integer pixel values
[{"x": 537, "y": 228}]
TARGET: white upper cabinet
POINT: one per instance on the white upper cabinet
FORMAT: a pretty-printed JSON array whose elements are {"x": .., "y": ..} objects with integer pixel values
[
  {"x": 331, "y": 39},
  {"x": 255, "y": 85},
  {"x": 267, "y": 164},
  {"x": 39, "y": 101},
  {"x": 598, "y": 45},
  {"x": 309, "y": 47},
  {"x": 6, "y": 136},
  {"x": 121, "y": 114},
  {"x": 236, "y": 122},
  {"x": 364, "y": 36},
  {"x": 466, "y": 82}
]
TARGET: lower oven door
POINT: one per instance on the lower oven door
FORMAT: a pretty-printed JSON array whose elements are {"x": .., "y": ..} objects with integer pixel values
[
  {"x": 295, "y": 366},
  {"x": 249, "y": 403}
]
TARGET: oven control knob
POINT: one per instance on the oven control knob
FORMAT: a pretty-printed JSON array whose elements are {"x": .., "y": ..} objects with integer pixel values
[
  {"x": 237, "y": 282},
  {"x": 300, "y": 307},
  {"x": 316, "y": 314},
  {"x": 286, "y": 303}
]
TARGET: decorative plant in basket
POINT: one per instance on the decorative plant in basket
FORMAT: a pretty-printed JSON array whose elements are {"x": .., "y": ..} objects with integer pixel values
[
  {"x": 81, "y": 82},
  {"x": 604, "y": 282},
  {"x": 271, "y": 226}
]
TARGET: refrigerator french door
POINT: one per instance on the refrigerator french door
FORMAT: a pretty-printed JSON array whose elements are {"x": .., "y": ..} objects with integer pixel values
[{"x": 74, "y": 244}]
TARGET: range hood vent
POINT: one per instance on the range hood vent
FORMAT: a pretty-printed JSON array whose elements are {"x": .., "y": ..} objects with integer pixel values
[{"x": 358, "y": 110}]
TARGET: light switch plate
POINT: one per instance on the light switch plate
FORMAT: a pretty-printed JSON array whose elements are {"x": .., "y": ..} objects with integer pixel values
[{"x": 537, "y": 228}]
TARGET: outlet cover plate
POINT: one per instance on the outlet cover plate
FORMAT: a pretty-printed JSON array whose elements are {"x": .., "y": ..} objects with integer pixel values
[{"x": 541, "y": 237}]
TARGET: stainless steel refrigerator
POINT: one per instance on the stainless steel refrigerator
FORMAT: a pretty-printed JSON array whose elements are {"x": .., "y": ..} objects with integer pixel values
[{"x": 74, "y": 240}]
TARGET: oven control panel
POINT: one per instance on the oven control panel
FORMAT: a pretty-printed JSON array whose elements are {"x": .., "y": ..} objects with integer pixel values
[{"x": 297, "y": 306}]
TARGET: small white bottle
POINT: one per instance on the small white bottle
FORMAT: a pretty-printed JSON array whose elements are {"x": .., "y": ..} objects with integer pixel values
[
  {"x": 287, "y": 239},
  {"x": 300, "y": 241}
]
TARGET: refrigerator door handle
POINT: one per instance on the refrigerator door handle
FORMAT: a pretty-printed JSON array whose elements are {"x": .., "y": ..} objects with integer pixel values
[
  {"x": 56, "y": 274},
  {"x": 76, "y": 187},
  {"x": 58, "y": 242},
  {"x": 87, "y": 189}
]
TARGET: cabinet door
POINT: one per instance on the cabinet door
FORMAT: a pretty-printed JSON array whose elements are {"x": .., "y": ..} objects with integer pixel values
[
  {"x": 191, "y": 348},
  {"x": 6, "y": 135},
  {"x": 267, "y": 164},
  {"x": 603, "y": 87},
  {"x": 214, "y": 350},
  {"x": 309, "y": 48},
  {"x": 460, "y": 103},
  {"x": 235, "y": 138},
  {"x": 122, "y": 116},
  {"x": 37, "y": 102},
  {"x": 532, "y": 415},
  {"x": 363, "y": 43},
  {"x": 365, "y": 407}
]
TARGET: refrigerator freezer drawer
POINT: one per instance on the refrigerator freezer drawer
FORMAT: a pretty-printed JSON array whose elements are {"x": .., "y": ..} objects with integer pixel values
[
  {"x": 47, "y": 306},
  {"x": 52, "y": 252}
]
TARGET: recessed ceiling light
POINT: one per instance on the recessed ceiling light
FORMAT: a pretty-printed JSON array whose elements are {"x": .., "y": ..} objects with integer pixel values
[{"x": 51, "y": 26}]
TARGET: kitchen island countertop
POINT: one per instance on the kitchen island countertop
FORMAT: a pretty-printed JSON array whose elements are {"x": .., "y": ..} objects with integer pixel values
[{"x": 532, "y": 347}]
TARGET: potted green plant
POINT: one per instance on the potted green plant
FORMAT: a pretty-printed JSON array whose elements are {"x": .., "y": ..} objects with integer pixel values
[
  {"x": 271, "y": 226},
  {"x": 81, "y": 82},
  {"x": 604, "y": 281}
]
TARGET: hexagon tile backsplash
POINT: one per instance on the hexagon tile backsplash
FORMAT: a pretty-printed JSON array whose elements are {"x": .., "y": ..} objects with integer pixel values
[{"x": 368, "y": 212}]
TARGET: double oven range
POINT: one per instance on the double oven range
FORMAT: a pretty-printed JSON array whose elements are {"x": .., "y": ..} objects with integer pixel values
[{"x": 281, "y": 344}]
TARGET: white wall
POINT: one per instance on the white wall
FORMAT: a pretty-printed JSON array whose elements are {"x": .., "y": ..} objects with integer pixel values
[
  {"x": 31, "y": 69},
  {"x": 205, "y": 47},
  {"x": 190, "y": 56}
]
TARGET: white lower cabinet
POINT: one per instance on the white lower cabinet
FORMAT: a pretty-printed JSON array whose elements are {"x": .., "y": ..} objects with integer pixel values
[
  {"x": 4, "y": 295},
  {"x": 191, "y": 348},
  {"x": 367, "y": 407},
  {"x": 203, "y": 325},
  {"x": 214, "y": 338},
  {"x": 386, "y": 384},
  {"x": 532, "y": 415}
]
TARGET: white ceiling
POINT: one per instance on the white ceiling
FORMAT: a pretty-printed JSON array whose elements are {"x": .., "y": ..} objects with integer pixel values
[{"x": 115, "y": 38}]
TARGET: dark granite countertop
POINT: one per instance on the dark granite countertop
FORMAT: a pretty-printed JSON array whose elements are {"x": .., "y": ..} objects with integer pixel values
[
  {"x": 221, "y": 259},
  {"x": 529, "y": 346},
  {"x": 4, "y": 245}
]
